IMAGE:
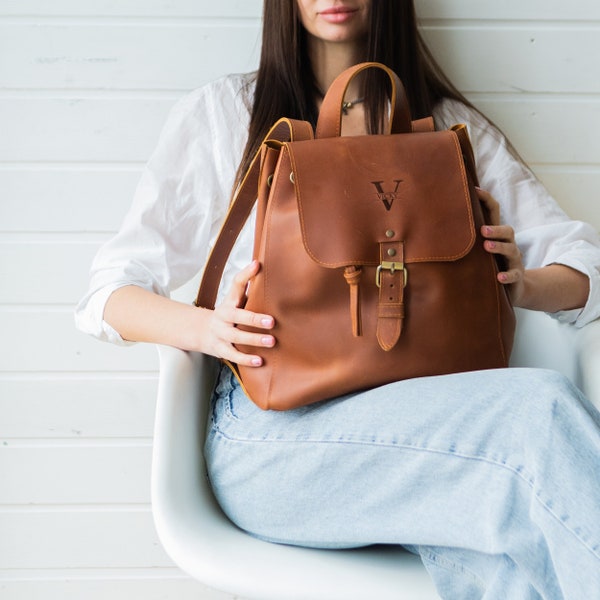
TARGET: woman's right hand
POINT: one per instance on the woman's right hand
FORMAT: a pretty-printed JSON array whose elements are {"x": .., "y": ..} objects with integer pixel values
[
  {"x": 222, "y": 332},
  {"x": 140, "y": 315}
]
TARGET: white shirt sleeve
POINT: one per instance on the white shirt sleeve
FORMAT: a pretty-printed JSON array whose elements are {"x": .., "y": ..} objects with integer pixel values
[
  {"x": 544, "y": 233},
  {"x": 179, "y": 204}
]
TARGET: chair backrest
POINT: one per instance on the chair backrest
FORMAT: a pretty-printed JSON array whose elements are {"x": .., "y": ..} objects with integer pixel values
[{"x": 543, "y": 342}]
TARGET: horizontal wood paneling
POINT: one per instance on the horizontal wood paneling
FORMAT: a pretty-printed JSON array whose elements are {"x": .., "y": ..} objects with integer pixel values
[
  {"x": 142, "y": 586},
  {"x": 513, "y": 10},
  {"x": 98, "y": 56},
  {"x": 484, "y": 58},
  {"x": 75, "y": 473},
  {"x": 577, "y": 190},
  {"x": 548, "y": 130},
  {"x": 88, "y": 407},
  {"x": 87, "y": 199},
  {"x": 84, "y": 538},
  {"x": 510, "y": 10},
  {"x": 48, "y": 342},
  {"x": 61, "y": 271},
  {"x": 81, "y": 129},
  {"x": 526, "y": 59},
  {"x": 136, "y": 8}
]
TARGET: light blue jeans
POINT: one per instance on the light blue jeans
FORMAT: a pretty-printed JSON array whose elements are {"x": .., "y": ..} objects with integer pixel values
[{"x": 493, "y": 477}]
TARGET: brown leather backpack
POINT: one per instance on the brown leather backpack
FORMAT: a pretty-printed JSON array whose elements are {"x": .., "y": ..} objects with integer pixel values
[{"x": 373, "y": 265}]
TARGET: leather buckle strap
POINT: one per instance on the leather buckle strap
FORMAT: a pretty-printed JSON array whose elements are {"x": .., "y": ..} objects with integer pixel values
[{"x": 391, "y": 278}]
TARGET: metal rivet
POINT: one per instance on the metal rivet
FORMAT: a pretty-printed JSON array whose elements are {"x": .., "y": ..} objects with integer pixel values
[
  {"x": 270, "y": 180},
  {"x": 292, "y": 177},
  {"x": 390, "y": 234},
  {"x": 391, "y": 252}
]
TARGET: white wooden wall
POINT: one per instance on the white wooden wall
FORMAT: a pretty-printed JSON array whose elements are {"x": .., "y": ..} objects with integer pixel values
[{"x": 85, "y": 86}]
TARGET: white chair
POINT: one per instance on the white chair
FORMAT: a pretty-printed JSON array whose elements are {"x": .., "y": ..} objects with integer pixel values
[{"x": 206, "y": 545}]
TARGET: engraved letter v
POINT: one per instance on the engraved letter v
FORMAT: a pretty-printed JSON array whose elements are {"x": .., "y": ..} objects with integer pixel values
[{"x": 386, "y": 197}]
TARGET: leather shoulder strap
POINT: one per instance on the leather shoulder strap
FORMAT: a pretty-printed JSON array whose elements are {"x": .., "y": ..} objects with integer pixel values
[
  {"x": 284, "y": 130},
  {"x": 467, "y": 151}
]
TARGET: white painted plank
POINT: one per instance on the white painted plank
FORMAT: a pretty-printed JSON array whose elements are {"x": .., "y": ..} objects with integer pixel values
[
  {"x": 524, "y": 59},
  {"x": 577, "y": 191},
  {"x": 80, "y": 539},
  {"x": 153, "y": 8},
  {"x": 47, "y": 272},
  {"x": 44, "y": 272},
  {"x": 101, "y": 56},
  {"x": 77, "y": 408},
  {"x": 47, "y": 341},
  {"x": 126, "y": 129},
  {"x": 65, "y": 199},
  {"x": 548, "y": 129},
  {"x": 117, "y": 588},
  {"x": 74, "y": 474},
  {"x": 81, "y": 129},
  {"x": 535, "y": 10}
]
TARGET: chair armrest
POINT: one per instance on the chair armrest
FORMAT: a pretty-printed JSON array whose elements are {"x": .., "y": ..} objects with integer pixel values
[
  {"x": 588, "y": 347},
  {"x": 179, "y": 483},
  {"x": 544, "y": 342}
]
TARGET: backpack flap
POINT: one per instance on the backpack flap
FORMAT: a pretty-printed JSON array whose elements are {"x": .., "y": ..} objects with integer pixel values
[{"x": 403, "y": 199}]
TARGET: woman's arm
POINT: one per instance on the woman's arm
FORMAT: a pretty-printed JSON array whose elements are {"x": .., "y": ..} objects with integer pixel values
[
  {"x": 143, "y": 316},
  {"x": 551, "y": 288}
]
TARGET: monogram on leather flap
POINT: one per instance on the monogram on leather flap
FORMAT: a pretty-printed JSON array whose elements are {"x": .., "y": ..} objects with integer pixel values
[{"x": 421, "y": 177}]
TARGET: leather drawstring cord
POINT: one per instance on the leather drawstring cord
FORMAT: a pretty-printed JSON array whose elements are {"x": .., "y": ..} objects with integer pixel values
[{"x": 352, "y": 276}]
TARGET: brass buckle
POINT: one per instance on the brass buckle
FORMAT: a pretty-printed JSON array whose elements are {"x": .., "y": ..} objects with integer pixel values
[{"x": 391, "y": 267}]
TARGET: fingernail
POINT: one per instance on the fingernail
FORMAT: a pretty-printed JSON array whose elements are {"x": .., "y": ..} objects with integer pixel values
[
  {"x": 503, "y": 277},
  {"x": 267, "y": 340},
  {"x": 256, "y": 362},
  {"x": 266, "y": 322}
]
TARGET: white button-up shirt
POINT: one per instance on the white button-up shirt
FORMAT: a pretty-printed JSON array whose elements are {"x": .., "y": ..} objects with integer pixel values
[{"x": 185, "y": 190}]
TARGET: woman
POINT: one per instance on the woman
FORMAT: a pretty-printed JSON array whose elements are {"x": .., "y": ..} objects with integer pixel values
[{"x": 490, "y": 476}]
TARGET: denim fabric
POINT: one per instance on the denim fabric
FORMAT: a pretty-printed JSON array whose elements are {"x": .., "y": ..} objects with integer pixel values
[{"x": 493, "y": 477}]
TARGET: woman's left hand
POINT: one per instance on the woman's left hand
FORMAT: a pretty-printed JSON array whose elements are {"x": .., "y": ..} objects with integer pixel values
[{"x": 500, "y": 240}]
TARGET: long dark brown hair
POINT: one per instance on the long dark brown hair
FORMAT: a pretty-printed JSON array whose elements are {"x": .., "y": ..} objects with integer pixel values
[{"x": 285, "y": 83}]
